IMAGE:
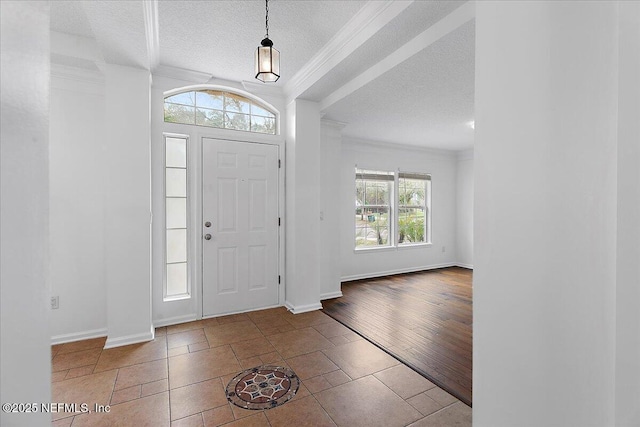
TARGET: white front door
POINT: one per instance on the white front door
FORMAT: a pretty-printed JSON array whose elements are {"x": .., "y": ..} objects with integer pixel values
[{"x": 240, "y": 226}]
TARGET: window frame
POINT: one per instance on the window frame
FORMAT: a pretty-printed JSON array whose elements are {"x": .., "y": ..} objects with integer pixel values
[
  {"x": 394, "y": 211},
  {"x": 251, "y": 99},
  {"x": 391, "y": 208},
  {"x": 427, "y": 207},
  {"x": 189, "y": 291}
]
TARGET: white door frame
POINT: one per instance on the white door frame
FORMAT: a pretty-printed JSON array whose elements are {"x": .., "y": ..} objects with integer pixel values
[
  {"x": 196, "y": 203},
  {"x": 191, "y": 309},
  {"x": 178, "y": 311},
  {"x": 197, "y": 231}
]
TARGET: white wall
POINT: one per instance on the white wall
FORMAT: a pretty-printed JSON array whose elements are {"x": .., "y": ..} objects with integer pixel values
[
  {"x": 100, "y": 201},
  {"x": 127, "y": 224},
  {"x": 545, "y": 214},
  {"x": 303, "y": 202},
  {"x": 442, "y": 167},
  {"x": 76, "y": 177},
  {"x": 628, "y": 245},
  {"x": 330, "y": 210},
  {"x": 464, "y": 206},
  {"x": 25, "y": 358}
]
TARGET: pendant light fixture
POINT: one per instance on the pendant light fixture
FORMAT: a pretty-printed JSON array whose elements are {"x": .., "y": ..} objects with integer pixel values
[{"x": 267, "y": 58}]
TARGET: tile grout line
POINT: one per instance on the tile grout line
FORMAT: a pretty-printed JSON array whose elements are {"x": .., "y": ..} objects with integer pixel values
[
  {"x": 443, "y": 408},
  {"x": 323, "y": 408},
  {"x": 114, "y": 386},
  {"x": 166, "y": 343},
  {"x": 276, "y": 353}
]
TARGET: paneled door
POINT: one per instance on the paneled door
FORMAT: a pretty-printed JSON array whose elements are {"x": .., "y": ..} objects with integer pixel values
[{"x": 240, "y": 226}]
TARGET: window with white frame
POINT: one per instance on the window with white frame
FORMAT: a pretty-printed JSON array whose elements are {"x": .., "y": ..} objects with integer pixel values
[
  {"x": 392, "y": 209},
  {"x": 219, "y": 109},
  {"x": 413, "y": 211},
  {"x": 176, "y": 214},
  {"x": 374, "y": 192}
]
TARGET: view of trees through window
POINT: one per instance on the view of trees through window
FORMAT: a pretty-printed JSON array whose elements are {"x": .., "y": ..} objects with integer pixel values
[
  {"x": 219, "y": 109},
  {"x": 411, "y": 209},
  {"x": 380, "y": 215},
  {"x": 373, "y": 193}
]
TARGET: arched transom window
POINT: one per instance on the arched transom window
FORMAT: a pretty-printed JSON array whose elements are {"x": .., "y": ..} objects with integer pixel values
[{"x": 219, "y": 109}]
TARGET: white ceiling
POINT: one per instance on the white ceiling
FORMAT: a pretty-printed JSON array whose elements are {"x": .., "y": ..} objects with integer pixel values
[
  {"x": 220, "y": 37},
  {"x": 329, "y": 51},
  {"x": 426, "y": 100}
]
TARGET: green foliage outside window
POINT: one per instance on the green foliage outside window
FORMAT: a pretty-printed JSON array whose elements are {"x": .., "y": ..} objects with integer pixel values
[
  {"x": 412, "y": 209},
  {"x": 377, "y": 220},
  {"x": 411, "y": 228},
  {"x": 219, "y": 109}
]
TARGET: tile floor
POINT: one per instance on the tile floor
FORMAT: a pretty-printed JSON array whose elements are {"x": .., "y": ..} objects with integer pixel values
[{"x": 179, "y": 378}]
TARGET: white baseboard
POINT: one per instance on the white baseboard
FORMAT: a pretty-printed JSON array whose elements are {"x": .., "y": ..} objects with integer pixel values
[
  {"x": 397, "y": 271},
  {"x": 229, "y": 313},
  {"x": 329, "y": 295},
  {"x": 78, "y": 336},
  {"x": 175, "y": 320},
  {"x": 302, "y": 308},
  {"x": 469, "y": 266},
  {"x": 130, "y": 339}
]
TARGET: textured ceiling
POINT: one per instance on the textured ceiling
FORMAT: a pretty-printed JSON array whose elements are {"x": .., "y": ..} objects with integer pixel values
[
  {"x": 426, "y": 101},
  {"x": 119, "y": 30},
  {"x": 220, "y": 37},
  {"x": 69, "y": 17},
  {"x": 415, "y": 19}
]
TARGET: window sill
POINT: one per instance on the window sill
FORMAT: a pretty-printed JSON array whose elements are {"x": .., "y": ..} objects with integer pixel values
[
  {"x": 392, "y": 248},
  {"x": 374, "y": 249},
  {"x": 414, "y": 245}
]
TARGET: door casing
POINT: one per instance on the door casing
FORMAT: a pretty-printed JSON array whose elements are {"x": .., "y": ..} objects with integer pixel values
[
  {"x": 266, "y": 235},
  {"x": 172, "y": 312}
]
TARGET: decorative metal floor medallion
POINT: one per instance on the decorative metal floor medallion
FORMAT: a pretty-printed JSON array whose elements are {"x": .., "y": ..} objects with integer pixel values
[{"x": 262, "y": 387}]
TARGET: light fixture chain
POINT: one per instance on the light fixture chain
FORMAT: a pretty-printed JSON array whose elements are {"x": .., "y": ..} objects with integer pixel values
[{"x": 267, "y": 16}]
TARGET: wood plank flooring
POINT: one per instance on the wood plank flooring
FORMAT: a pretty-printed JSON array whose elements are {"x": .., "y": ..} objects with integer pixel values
[{"x": 423, "y": 319}]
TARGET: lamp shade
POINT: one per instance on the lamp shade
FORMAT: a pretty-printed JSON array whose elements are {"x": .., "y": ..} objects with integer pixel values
[{"x": 267, "y": 62}]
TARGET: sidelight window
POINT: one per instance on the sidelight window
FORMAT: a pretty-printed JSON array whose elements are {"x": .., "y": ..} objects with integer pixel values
[{"x": 176, "y": 284}]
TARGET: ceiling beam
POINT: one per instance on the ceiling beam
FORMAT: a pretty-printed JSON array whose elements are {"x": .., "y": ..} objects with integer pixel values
[
  {"x": 373, "y": 16},
  {"x": 446, "y": 25},
  {"x": 152, "y": 32}
]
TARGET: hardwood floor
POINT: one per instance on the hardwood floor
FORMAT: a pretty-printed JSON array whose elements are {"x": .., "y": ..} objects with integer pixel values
[{"x": 423, "y": 319}]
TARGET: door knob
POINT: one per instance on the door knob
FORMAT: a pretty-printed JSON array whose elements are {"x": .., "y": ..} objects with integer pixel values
[{"x": 207, "y": 237}]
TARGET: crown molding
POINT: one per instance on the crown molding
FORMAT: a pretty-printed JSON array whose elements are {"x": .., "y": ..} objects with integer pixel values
[
  {"x": 370, "y": 19},
  {"x": 355, "y": 143},
  {"x": 446, "y": 25},
  {"x": 182, "y": 74},
  {"x": 76, "y": 74},
  {"x": 333, "y": 123},
  {"x": 263, "y": 89},
  {"x": 465, "y": 154},
  {"x": 152, "y": 32}
]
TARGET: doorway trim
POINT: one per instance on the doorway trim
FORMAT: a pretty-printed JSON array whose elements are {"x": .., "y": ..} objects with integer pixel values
[{"x": 166, "y": 313}]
